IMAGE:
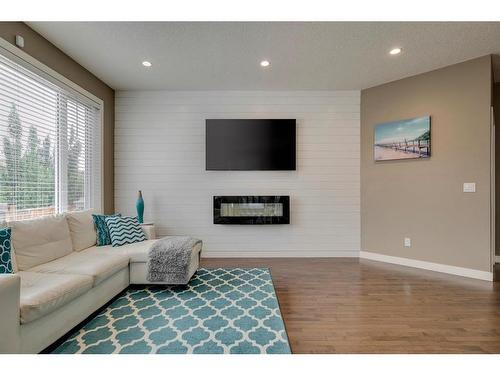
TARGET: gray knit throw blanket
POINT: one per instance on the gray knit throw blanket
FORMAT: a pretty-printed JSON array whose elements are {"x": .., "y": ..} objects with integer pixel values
[{"x": 169, "y": 259}]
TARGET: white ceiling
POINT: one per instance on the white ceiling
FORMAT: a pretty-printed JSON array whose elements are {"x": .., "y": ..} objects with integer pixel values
[{"x": 304, "y": 56}]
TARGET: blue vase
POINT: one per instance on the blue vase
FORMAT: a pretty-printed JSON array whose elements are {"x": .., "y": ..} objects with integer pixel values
[{"x": 139, "y": 205}]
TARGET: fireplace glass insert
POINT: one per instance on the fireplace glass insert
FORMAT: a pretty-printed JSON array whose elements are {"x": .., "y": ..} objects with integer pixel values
[{"x": 249, "y": 209}]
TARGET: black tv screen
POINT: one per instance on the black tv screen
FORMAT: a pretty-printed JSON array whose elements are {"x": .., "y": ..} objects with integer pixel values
[{"x": 250, "y": 144}]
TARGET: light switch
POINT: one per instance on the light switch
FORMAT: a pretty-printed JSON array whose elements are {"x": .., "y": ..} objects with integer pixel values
[
  {"x": 469, "y": 187},
  {"x": 407, "y": 242}
]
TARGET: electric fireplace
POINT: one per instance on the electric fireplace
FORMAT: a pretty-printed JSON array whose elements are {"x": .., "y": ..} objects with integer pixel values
[{"x": 251, "y": 209}]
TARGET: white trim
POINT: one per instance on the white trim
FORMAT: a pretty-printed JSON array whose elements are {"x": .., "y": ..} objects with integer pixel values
[
  {"x": 279, "y": 254},
  {"x": 30, "y": 60},
  {"x": 437, "y": 267},
  {"x": 497, "y": 259},
  {"x": 101, "y": 209},
  {"x": 56, "y": 78}
]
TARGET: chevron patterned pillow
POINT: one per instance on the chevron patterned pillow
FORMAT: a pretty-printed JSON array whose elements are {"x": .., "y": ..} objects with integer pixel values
[{"x": 124, "y": 230}]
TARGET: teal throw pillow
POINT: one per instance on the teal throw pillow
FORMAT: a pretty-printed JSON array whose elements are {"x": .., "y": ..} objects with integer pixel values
[
  {"x": 103, "y": 237},
  {"x": 5, "y": 251}
]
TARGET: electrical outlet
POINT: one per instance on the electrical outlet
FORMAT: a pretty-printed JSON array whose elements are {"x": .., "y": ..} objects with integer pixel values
[
  {"x": 407, "y": 242},
  {"x": 469, "y": 187}
]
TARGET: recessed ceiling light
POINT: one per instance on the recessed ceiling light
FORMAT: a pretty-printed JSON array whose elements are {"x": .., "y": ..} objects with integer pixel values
[
  {"x": 395, "y": 51},
  {"x": 147, "y": 64},
  {"x": 264, "y": 63}
]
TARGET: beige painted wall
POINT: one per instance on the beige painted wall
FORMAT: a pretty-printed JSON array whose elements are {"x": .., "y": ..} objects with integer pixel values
[
  {"x": 423, "y": 199},
  {"x": 44, "y": 51}
]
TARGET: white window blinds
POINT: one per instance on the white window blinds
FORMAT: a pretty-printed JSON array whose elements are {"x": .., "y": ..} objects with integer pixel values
[{"x": 49, "y": 146}]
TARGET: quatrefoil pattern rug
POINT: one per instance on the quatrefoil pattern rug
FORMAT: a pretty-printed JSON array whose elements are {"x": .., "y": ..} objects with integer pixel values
[{"x": 221, "y": 310}]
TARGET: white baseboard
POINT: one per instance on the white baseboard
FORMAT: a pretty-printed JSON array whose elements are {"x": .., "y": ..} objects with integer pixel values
[
  {"x": 279, "y": 254},
  {"x": 460, "y": 271}
]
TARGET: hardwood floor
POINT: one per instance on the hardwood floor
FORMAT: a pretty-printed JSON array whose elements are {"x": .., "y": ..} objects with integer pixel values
[{"x": 348, "y": 305}]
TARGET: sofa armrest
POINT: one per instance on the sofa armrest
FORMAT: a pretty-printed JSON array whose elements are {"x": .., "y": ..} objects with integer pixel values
[{"x": 10, "y": 290}]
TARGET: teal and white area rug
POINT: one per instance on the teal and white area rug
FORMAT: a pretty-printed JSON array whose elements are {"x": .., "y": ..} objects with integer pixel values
[{"x": 221, "y": 310}]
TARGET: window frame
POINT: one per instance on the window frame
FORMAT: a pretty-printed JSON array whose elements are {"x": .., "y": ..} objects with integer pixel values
[{"x": 28, "y": 62}]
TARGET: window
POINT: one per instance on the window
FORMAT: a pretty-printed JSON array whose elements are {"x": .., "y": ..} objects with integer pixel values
[{"x": 49, "y": 146}]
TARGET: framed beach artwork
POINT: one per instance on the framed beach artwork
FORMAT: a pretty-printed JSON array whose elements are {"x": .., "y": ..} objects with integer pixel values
[{"x": 403, "y": 139}]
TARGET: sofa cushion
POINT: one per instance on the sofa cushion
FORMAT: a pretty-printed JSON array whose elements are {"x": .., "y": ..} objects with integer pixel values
[
  {"x": 82, "y": 230},
  {"x": 124, "y": 230},
  {"x": 136, "y": 252},
  {"x": 39, "y": 241},
  {"x": 98, "y": 266},
  {"x": 5, "y": 251},
  {"x": 42, "y": 293}
]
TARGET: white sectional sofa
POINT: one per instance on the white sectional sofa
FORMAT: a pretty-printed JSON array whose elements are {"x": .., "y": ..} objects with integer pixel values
[{"x": 61, "y": 277}]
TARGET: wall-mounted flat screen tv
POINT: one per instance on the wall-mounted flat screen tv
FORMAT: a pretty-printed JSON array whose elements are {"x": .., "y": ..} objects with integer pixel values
[{"x": 250, "y": 145}]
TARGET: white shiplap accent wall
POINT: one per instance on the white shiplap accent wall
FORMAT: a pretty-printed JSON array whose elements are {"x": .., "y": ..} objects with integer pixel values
[{"x": 160, "y": 149}]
